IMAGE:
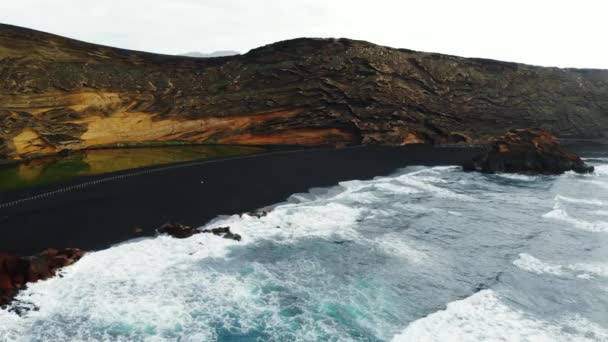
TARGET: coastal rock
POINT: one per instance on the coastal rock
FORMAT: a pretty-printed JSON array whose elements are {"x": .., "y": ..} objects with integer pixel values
[
  {"x": 223, "y": 232},
  {"x": 531, "y": 151},
  {"x": 17, "y": 271},
  {"x": 181, "y": 231},
  {"x": 59, "y": 94},
  {"x": 178, "y": 230},
  {"x": 259, "y": 213}
]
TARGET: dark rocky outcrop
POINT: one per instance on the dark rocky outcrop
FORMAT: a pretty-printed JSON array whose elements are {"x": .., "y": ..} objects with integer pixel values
[
  {"x": 223, "y": 232},
  {"x": 60, "y": 94},
  {"x": 530, "y": 151},
  {"x": 17, "y": 271},
  {"x": 181, "y": 231},
  {"x": 178, "y": 230}
]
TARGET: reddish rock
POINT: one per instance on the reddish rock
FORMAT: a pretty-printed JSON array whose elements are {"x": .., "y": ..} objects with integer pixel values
[
  {"x": 5, "y": 282},
  {"x": 531, "y": 151},
  {"x": 16, "y": 271},
  {"x": 19, "y": 281}
]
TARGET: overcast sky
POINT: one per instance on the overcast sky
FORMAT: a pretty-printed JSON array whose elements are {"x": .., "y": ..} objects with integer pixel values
[{"x": 544, "y": 32}]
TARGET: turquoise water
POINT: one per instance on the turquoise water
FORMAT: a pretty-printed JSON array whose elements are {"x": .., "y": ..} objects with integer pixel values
[{"x": 425, "y": 254}]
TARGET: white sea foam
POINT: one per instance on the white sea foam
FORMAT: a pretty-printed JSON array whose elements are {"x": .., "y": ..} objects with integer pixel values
[
  {"x": 597, "y": 269},
  {"x": 484, "y": 317},
  {"x": 531, "y": 264},
  {"x": 518, "y": 177},
  {"x": 581, "y": 201},
  {"x": 289, "y": 222},
  {"x": 425, "y": 186},
  {"x": 395, "y": 245},
  {"x": 560, "y": 214},
  {"x": 131, "y": 290},
  {"x": 167, "y": 289},
  {"x": 161, "y": 289},
  {"x": 601, "y": 170},
  {"x": 582, "y": 270}
]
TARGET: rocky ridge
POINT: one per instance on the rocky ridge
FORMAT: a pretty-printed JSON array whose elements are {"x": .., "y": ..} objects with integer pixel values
[{"x": 61, "y": 94}]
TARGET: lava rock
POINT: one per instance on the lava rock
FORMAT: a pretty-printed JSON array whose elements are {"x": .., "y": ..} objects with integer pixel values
[
  {"x": 258, "y": 213},
  {"x": 224, "y": 232},
  {"x": 17, "y": 271},
  {"x": 529, "y": 151},
  {"x": 178, "y": 230},
  {"x": 181, "y": 231}
]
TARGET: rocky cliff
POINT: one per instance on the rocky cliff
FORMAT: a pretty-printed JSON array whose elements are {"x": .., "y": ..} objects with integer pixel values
[{"x": 58, "y": 94}]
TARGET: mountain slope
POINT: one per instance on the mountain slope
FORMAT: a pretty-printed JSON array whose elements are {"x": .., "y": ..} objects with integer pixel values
[{"x": 57, "y": 93}]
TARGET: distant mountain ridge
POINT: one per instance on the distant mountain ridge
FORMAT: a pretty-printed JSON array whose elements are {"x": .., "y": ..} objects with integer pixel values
[
  {"x": 211, "y": 54},
  {"x": 60, "y": 94}
]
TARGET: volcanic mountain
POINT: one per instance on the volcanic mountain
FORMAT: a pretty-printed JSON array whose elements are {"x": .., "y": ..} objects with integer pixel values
[{"x": 61, "y": 94}]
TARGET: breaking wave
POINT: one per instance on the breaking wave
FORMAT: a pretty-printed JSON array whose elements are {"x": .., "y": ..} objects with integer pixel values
[{"x": 485, "y": 317}]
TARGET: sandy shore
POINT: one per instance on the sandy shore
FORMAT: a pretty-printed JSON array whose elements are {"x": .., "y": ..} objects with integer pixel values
[{"x": 96, "y": 212}]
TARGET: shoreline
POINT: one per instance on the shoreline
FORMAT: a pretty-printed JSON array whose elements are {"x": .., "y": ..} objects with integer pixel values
[{"x": 97, "y": 212}]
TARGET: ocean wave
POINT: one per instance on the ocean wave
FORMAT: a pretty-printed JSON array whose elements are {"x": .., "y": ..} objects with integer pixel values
[
  {"x": 601, "y": 184},
  {"x": 581, "y": 201},
  {"x": 130, "y": 291},
  {"x": 426, "y": 186},
  {"x": 396, "y": 246},
  {"x": 597, "y": 269},
  {"x": 484, "y": 317},
  {"x": 165, "y": 288},
  {"x": 192, "y": 289},
  {"x": 289, "y": 222},
  {"x": 601, "y": 170},
  {"x": 406, "y": 182},
  {"x": 517, "y": 177},
  {"x": 560, "y": 214},
  {"x": 531, "y": 264}
]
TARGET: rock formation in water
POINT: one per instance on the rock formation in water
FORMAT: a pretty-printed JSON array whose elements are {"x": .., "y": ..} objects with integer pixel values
[
  {"x": 58, "y": 94},
  {"x": 17, "y": 271},
  {"x": 181, "y": 231},
  {"x": 529, "y": 151}
]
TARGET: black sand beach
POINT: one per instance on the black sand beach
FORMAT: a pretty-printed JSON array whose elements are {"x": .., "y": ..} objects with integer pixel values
[{"x": 96, "y": 212}]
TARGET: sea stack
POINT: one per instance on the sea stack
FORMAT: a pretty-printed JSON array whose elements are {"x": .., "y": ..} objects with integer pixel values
[{"x": 531, "y": 151}]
